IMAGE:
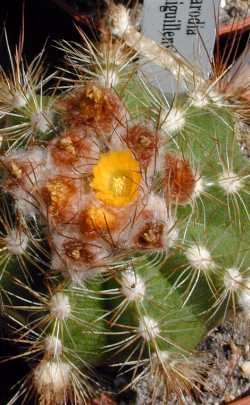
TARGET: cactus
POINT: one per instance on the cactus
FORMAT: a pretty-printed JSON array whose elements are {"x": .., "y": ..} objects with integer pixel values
[{"x": 125, "y": 216}]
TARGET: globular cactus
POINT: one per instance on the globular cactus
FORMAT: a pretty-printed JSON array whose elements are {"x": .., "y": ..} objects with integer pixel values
[{"x": 125, "y": 216}]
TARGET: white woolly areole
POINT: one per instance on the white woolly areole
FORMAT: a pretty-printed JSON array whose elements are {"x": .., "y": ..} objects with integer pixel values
[
  {"x": 132, "y": 286},
  {"x": 148, "y": 328},
  {"x": 60, "y": 306},
  {"x": 24, "y": 202},
  {"x": 164, "y": 356},
  {"x": 108, "y": 78},
  {"x": 244, "y": 298},
  {"x": 173, "y": 232},
  {"x": 35, "y": 156},
  {"x": 174, "y": 120},
  {"x": 40, "y": 121},
  {"x": 216, "y": 98},
  {"x": 232, "y": 278},
  {"x": 199, "y": 187},
  {"x": 18, "y": 100},
  {"x": 120, "y": 20},
  {"x": 160, "y": 162},
  {"x": 199, "y": 99},
  {"x": 53, "y": 346},
  {"x": 158, "y": 206},
  {"x": 16, "y": 242},
  {"x": 35, "y": 160},
  {"x": 53, "y": 376},
  {"x": 230, "y": 182},
  {"x": 199, "y": 258}
]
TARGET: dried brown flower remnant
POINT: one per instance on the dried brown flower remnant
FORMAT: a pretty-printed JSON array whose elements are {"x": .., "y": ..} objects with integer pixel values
[
  {"x": 17, "y": 174},
  {"x": 15, "y": 170},
  {"x": 58, "y": 193},
  {"x": 143, "y": 142},
  {"x": 24, "y": 170},
  {"x": 150, "y": 236},
  {"x": 78, "y": 251},
  {"x": 70, "y": 147},
  {"x": 179, "y": 181},
  {"x": 97, "y": 220},
  {"x": 96, "y": 108}
]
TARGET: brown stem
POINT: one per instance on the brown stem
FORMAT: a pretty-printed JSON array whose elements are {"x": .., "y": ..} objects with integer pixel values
[{"x": 123, "y": 28}]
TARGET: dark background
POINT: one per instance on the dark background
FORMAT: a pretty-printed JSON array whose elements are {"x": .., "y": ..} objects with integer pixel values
[{"x": 44, "y": 22}]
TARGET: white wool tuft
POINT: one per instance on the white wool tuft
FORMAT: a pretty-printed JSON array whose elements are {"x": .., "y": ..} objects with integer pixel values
[
  {"x": 158, "y": 206},
  {"x": 199, "y": 99},
  {"x": 109, "y": 78},
  {"x": 18, "y": 100},
  {"x": 34, "y": 161},
  {"x": 52, "y": 375},
  {"x": 40, "y": 121},
  {"x": 164, "y": 356},
  {"x": 230, "y": 182},
  {"x": 199, "y": 187},
  {"x": 199, "y": 258},
  {"x": 232, "y": 278},
  {"x": 132, "y": 286},
  {"x": 216, "y": 98},
  {"x": 174, "y": 120},
  {"x": 172, "y": 233},
  {"x": 34, "y": 156},
  {"x": 16, "y": 242},
  {"x": 24, "y": 203},
  {"x": 53, "y": 346},
  {"x": 148, "y": 328},
  {"x": 120, "y": 20},
  {"x": 60, "y": 306}
]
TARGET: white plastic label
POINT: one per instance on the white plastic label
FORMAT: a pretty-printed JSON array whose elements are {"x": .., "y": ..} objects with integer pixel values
[{"x": 188, "y": 26}]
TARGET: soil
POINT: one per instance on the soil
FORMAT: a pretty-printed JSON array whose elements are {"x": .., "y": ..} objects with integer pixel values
[{"x": 227, "y": 349}]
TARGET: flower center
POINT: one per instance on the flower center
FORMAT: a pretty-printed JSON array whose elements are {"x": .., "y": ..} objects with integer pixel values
[
  {"x": 120, "y": 185},
  {"x": 116, "y": 178}
]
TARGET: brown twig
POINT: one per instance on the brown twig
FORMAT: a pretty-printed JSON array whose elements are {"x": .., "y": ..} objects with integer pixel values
[{"x": 123, "y": 28}]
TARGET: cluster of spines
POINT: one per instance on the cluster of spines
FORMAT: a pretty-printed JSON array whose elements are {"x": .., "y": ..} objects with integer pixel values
[{"x": 160, "y": 226}]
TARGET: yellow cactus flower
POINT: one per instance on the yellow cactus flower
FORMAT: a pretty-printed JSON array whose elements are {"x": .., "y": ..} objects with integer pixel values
[{"x": 116, "y": 178}]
